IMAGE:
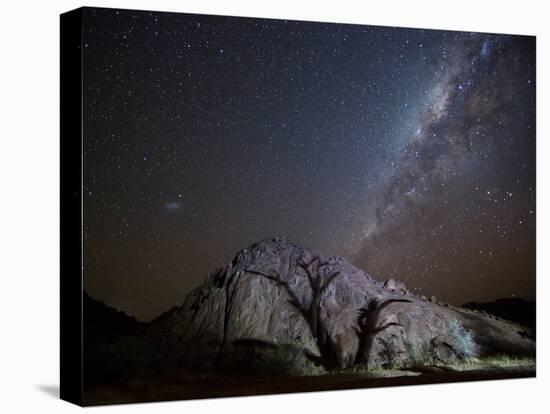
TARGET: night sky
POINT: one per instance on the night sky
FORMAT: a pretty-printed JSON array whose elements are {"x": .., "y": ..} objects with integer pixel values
[{"x": 409, "y": 152}]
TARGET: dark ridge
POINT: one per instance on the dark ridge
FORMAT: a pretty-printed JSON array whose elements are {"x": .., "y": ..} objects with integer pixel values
[
  {"x": 103, "y": 323},
  {"x": 516, "y": 310}
]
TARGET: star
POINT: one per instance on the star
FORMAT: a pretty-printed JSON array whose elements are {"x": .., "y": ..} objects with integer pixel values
[{"x": 398, "y": 149}]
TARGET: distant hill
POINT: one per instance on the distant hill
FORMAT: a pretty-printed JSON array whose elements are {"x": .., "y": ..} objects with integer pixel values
[
  {"x": 513, "y": 309},
  {"x": 104, "y": 323}
]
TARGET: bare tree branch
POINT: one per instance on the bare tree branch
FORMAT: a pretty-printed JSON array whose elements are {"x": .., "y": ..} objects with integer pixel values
[
  {"x": 294, "y": 301},
  {"x": 368, "y": 326},
  {"x": 312, "y": 311},
  {"x": 275, "y": 277},
  {"x": 389, "y": 302},
  {"x": 306, "y": 266},
  {"x": 386, "y": 326},
  {"x": 329, "y": 280}
]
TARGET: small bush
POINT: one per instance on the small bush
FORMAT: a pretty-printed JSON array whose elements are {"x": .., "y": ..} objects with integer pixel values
[
  {"x": 268, "y": 360},
  {"x": 119, "y": 359},
  {"x": 418, "y": 353},
  {"x": 463, "y": 341},
  {"x": 290, "y": 360}
]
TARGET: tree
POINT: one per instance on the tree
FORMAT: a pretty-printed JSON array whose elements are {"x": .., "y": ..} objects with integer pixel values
[
  {"x": 368, "y": 322},
  {"x": 311, "y": 311}
]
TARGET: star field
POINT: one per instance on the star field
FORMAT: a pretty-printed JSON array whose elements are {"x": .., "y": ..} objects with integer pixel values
[{"x": 409, "y": 152}]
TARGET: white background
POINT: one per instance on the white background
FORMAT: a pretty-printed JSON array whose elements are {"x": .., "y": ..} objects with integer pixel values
[{"x": 29, "y": 215}]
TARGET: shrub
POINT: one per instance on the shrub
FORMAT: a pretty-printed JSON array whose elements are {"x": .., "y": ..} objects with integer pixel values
[
  {"x": 463, "y": 341},
  {"x": 418, "y": 353},
  {"x": 119, "y": 359},
  {"x": 255, "y": 358}
]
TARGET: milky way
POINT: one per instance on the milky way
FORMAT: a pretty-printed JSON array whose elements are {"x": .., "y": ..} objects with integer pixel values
[
  {"x": 459, "y": 196},
  {"x": 409, "y": 152}
]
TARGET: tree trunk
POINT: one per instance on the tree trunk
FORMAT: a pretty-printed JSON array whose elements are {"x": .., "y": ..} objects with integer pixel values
[{"x": 364, "y": 348}]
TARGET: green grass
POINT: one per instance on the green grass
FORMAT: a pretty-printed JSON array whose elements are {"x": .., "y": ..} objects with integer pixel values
[{"x": 493, "y": 362}]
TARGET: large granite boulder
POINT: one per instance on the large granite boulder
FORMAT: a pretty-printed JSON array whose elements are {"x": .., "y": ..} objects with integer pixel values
[{"x": 283, "y": 305}]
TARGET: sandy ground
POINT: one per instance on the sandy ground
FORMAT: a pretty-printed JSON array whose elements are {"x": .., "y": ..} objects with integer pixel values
[{"x": 147, "y": 391}]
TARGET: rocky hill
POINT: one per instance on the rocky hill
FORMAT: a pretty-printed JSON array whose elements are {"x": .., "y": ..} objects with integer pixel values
[{"x": 278, "y": 307}]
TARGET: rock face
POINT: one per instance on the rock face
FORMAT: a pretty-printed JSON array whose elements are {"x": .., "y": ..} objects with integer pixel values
[{"x": 277, "y": 295}]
